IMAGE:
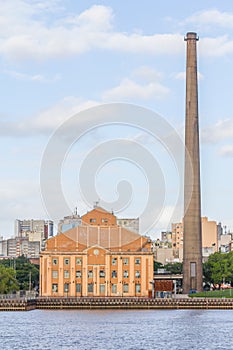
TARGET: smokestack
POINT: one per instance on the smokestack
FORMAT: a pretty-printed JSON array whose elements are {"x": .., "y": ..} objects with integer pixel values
[{"x": 192, "y": 235}]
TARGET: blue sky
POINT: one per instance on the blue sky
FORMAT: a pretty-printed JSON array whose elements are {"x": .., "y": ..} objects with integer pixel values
[{"x": 60, "y": 57}]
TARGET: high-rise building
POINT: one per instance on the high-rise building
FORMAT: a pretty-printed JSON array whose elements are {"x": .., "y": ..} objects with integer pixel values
[
  {"x": 44, "y": 227},
  {"x": 131, "y": 224},
  {"x": 220, "y": 230},
  {"x": 18, "y": 246},
  {"x": 209, "y": 238},
  {"x": 69, "y": 222}
]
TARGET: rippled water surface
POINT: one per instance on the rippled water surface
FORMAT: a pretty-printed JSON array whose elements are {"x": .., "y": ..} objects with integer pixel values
[{"x": 121, "y": 329}]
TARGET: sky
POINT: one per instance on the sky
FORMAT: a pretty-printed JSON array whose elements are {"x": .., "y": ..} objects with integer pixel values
[{"x": 60, "y": 59}]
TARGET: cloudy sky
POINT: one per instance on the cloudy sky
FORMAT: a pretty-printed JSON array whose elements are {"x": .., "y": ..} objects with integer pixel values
[{"x": 61, "y": 57}]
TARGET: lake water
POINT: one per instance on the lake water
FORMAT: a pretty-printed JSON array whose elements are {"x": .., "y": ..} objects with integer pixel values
[{"x": 117, "y": 329}]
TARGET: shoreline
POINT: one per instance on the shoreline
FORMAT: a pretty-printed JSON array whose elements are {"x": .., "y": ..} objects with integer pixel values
[{"x": 133, "y": 303}]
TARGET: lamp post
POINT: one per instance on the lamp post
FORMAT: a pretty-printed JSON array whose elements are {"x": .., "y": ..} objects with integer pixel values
[
  {"x": 30, "y": 281},
  {"x": 81, "y": 284},
  {"x": 106, "y": 283},
  {"x": 67, "y": 288},
  {"x": 153, "y": 289},
  {"x": 134, "y": 287}
]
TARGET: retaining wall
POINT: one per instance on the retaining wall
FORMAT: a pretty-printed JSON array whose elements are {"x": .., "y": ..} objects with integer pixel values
[{"x": 114, "y": 303}]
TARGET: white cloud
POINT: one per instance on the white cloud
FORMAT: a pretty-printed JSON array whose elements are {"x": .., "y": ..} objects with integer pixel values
[
  {"x": 220, "y": 131},
  {"x": 95, "y": 18},
  {"x": 226, "y": 151},
  {"x": 216, "y": 47},
  {"x": 35, "y": 31},
  {"x": 35, "y": 77},
  {"x": 145, "y": 44},
  {"x": 180, "y": 76},
  {"x": 51, "y": 118},
  {"x": 212, "y": 18},
  {"x": 26, "y": 35},
  {"x": 16, "y": 198},
  {"x": 144, "y": 84},
  {"x": 130, "y": 89},
  {"x": 47, "y": 120},
  {"x": 146, "y": 74}
]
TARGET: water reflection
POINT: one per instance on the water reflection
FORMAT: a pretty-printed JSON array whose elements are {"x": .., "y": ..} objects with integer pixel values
[{"x": 117, "y": 329}]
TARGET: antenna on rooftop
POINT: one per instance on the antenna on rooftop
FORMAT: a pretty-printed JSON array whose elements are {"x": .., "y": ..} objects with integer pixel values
[{"x": 96, "y": 204}]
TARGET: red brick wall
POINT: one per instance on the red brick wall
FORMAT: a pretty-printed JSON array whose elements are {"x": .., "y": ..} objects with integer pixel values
[{"x": 163, "y": 286}]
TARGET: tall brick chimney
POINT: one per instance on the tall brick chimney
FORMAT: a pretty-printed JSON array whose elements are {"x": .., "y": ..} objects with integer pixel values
[{"x": 192, "y": 236}]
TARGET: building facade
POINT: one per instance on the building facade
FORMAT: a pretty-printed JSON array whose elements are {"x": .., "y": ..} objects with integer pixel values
[
  {"x": 99, "y": 217},
  {"x": 129, "y": 223},
  {"x": 18, "y": 246},
  {"x": 102, "y": 217},
  {"x": 209, "y": 238},
  {"x": 42, "y": 227},
  {"x": 97, "y": 260},
  {"x": 170, "y": 250},
  {"x": 69, "y": 222}
]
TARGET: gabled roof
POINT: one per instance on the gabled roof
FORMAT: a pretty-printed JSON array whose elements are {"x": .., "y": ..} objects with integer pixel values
[
  {"x": 113, "y": 238},
  {"x": 100, "y": 209}
]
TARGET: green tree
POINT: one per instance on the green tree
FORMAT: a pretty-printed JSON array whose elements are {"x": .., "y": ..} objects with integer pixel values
[
  {"x": 25, "y": 272},
  {"x": 8, "y": 282},
  {"x": 174, "y": 268},
  {"x": 157, "y": 265},
  {"x": 218, "y": 268}
]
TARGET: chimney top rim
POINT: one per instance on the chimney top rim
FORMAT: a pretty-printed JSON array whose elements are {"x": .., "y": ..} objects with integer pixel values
[{"x": 191, "y": 36}]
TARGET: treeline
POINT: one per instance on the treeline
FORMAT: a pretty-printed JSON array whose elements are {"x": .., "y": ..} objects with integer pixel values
[
  {"x": 18, "y": 274},
  {"x": 219, "y": 269}
]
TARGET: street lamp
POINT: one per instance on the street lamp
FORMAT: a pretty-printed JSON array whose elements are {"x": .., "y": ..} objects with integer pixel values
[
  {"x": 134, "y": 288},
  {"x": 67, "y": 286},
  {"x": 106, "y": 282}
]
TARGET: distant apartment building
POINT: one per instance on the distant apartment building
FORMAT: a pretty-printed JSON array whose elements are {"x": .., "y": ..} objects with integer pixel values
[
  {"x": 170, "y": 247},
  {"x": 164, "y": 255},
  {"x": 219, "y": 230},
  {"x": 42, "y": 227},
  {"x": 209, "y": 238},
  {"x": 29, "y": 239},
  {"x": 166, "y": 236},
  {"x": 3, "y": 247},
  {"x": 69, "y": 222},
  {"x": 225, "y": 243},
  {"x": 129, "y": 223},
  {"x": 18, "y": 246}
]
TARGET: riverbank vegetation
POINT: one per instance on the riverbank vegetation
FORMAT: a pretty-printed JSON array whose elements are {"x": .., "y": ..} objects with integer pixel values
[{"x": 18, "y": 274}]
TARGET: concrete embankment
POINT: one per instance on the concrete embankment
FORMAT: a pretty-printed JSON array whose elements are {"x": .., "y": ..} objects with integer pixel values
[
  {"x": 133, "y": 303},
  {"x": 19, "y": 304},
  {"x": 114, "y": 303}
]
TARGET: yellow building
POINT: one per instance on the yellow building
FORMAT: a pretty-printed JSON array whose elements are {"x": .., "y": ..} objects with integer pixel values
[
  {"x": 97, "y": 260},
  {"x": 209, "y": 238}
]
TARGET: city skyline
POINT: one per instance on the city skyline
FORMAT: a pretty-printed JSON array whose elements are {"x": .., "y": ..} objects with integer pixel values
[{"x": 59, "y": 58}]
